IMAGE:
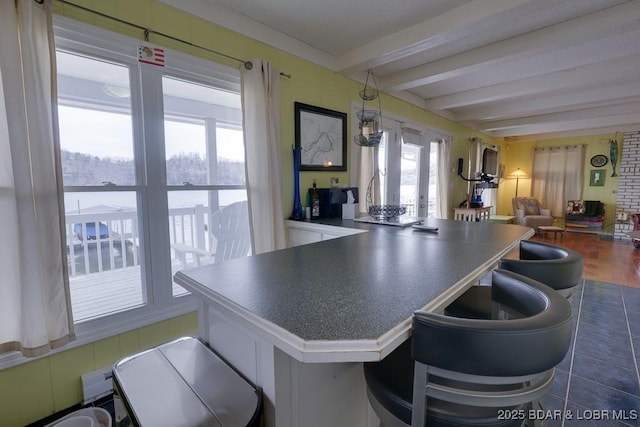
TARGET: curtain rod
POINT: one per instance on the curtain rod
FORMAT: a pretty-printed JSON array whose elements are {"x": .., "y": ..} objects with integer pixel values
[
  {"x": 247, "y": 64},
  {"x": 559, "y": 147}
]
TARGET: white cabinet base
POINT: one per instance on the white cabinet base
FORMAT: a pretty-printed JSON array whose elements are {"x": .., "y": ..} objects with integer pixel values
[
  {"x": 305, "y": 232},
  {"x": 295, "y": 393}
]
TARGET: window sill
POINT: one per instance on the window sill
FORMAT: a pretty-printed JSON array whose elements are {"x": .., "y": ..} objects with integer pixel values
[{"x": 99, "y": 329}]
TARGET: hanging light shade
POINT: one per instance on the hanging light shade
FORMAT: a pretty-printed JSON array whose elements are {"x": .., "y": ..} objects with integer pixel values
[{"x": 370, "y": 121}]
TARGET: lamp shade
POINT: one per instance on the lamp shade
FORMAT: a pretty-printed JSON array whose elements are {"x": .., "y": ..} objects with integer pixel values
[{"x": 518, "y": 174}]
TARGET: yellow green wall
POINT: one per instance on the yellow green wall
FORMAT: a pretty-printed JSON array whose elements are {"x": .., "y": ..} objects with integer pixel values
[
  {"x": 318, "y": 86},
  {"x": 520, "y": 155},
  {"x": 37, "y": 389}
]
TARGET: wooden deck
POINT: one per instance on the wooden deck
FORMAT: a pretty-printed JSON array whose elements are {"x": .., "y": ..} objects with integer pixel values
[
  {"x": 115, "y": 283},
  {"x": 98, "y": 294}
]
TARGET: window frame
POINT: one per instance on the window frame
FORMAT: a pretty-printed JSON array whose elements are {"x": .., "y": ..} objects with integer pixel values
[{"x": 77, "y": 37}]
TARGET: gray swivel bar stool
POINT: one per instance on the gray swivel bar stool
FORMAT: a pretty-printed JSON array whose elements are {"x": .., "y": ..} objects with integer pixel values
[
  {"x": 557, "y": 267},
  {"x": 465, "y": 372}
]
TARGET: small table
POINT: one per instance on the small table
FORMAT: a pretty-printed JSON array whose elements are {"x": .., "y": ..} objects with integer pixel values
[
  {"x": 544, "y": 229},
  {"x": 472, "y": 214}
]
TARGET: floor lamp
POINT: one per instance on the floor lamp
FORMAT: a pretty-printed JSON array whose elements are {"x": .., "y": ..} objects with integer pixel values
[{"x": 518, "y": 174}]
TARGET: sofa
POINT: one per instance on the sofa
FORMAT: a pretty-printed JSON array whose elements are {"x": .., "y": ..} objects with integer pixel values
[{"x": 585, "y": 214}]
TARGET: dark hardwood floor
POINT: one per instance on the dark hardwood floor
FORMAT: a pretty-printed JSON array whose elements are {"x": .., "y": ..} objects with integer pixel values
[{"x": 604, "y": 261}]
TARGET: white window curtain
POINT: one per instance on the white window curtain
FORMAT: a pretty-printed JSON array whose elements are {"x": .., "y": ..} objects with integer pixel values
[
  {"x": 368, "y": 178},
  {"x": 35, "y": 308},
  {"x": 475, "y": 158},
  {"x": 557, "y": 176},
  {"x": 442, "y": 183},
  {"x": 261, "y": 115}
]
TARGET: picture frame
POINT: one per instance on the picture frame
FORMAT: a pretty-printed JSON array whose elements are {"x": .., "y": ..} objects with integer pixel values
[
  {"x": 321, "y": 135},
  {"x": 597, "y": 178}
]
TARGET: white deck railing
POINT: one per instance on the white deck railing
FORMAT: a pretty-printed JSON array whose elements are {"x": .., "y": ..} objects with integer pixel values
[
  {"x": 189, "y": 226},
  {"x": 93, "y": 251},
  {"x": 104, "y": 267}
]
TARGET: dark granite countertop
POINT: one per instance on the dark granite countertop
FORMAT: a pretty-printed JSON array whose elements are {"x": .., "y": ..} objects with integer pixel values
[{"x": 360, "y": 289}]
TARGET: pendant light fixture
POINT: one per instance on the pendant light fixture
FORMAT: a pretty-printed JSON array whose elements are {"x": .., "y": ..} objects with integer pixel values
[{"x": 370, "y": 121}]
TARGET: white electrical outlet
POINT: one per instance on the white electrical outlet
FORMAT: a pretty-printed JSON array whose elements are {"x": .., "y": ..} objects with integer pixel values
[{"x": 96, "y": 384}]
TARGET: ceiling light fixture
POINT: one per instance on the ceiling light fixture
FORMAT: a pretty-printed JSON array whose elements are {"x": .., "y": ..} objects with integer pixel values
[{"x": 370, "y": 120}]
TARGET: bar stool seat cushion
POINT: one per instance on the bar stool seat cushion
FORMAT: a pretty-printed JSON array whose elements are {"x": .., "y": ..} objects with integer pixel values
[{"x": 557, "y": 267}]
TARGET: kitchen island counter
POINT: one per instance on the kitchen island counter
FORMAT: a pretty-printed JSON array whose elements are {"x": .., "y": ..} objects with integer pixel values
[{"x": 315, "y": 307}]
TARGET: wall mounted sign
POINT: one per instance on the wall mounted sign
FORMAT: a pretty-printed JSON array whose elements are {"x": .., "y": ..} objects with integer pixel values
[
  {"x": 150, "y": 54},
  {"x": 321, "y": 135}
]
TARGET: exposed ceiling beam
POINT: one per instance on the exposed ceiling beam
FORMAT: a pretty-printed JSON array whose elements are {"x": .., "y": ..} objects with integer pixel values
[
  {"x": 572, "y": 133},
  {"x": 602, "y": 24},
  {"x": 437, "y": 31},
  {"x": 551, "y": 103},
  {"x": 611, "y": 122},
  {"x": 621, "y": 110},
  {"x": 586, "y": 75},
  {"x": 504, "y": 67}
]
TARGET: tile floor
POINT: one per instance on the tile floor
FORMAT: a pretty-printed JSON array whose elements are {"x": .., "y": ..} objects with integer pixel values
[{"x": 598, "y": 383}]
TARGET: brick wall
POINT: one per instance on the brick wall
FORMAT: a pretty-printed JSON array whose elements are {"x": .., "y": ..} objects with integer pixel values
[{"x": 629, "y": 183}]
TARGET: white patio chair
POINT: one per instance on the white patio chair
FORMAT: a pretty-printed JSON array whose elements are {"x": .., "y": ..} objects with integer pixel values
[{"x": 230, "y": 231}]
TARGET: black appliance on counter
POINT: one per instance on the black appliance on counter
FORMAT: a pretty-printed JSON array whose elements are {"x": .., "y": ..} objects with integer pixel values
[{"x": 331, "y": 200}]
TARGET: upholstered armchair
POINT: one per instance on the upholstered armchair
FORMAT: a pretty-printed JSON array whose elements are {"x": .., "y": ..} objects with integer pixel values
[{"x": 530, "y": 213}]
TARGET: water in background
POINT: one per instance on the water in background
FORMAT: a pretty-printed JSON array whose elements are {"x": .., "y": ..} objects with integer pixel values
[{"x": 126, "y": 200}]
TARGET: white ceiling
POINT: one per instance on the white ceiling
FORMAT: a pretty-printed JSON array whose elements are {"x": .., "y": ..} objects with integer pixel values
[{"x": 519, "y": 69}]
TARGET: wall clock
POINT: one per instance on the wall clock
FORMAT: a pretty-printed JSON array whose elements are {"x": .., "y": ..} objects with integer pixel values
[{"x": 599, "y": 160}]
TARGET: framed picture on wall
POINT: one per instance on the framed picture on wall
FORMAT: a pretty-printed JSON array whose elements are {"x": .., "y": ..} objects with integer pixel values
[
  {"x": 321, "y": 135},
  {"x": 597, "y": 178}
]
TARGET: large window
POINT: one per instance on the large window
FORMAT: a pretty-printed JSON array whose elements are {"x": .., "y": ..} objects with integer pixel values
[
  {"x": 99, "y": 175},
  {"x": 149, "y": 154},
  {"x": 204, "y": 153}
]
